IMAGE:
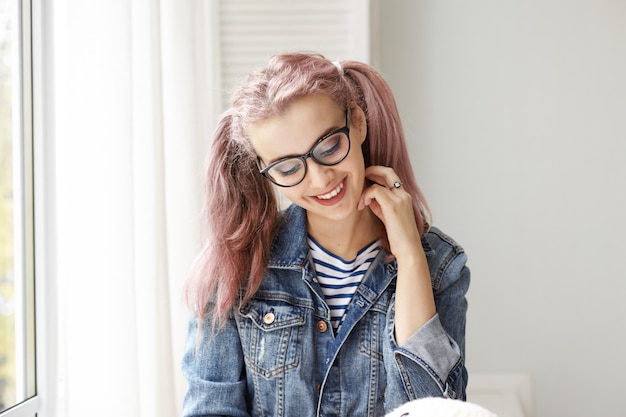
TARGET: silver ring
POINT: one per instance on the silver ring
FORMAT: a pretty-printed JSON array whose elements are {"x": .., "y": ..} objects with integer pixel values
[{"x": 397, "y": 184}]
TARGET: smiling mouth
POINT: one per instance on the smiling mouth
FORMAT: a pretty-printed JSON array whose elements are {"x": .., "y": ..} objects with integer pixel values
[{"x": 331, "y": 194}]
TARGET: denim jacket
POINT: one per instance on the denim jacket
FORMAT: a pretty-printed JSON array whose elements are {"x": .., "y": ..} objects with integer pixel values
[{"x": 278, "y": 356}]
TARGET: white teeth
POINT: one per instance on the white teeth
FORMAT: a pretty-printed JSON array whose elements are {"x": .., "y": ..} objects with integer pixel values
[{"x": 332, "y": 193}]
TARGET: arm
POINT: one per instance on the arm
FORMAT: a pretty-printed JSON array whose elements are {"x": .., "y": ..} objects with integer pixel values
[
  {"x": 414, "y": 301},
  {"x": 214, "y": 368},
  {"x": 426, "y": 327},
  {"x": 432, "y": 361}
]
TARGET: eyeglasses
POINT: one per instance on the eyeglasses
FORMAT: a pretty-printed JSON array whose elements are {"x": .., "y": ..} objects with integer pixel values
[{"x": 329, "y": 150}]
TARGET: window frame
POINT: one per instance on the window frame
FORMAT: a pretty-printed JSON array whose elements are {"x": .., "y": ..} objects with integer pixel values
[{"x": 25, "y": 218}]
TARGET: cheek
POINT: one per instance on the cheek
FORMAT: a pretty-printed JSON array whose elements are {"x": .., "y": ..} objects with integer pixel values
[
  {"x": 290, "y": 194},
  {"x": 286, "y": 194},
  {"x": 357, "y": 167},
  {"x": 358, "y": 178}
]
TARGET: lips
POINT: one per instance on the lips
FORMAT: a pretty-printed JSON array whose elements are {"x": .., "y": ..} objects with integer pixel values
[
  {"x": 334, "y": 196},
  {"x": 331, "y": 194}
]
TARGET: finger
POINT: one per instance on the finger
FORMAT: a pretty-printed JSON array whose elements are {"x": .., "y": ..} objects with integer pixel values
[
  {"x": 375, "y": 201},
  {"x": 384, "y": 176},
  {"x": 381, "y": 199},
  {"x": 370, "y": 194}
]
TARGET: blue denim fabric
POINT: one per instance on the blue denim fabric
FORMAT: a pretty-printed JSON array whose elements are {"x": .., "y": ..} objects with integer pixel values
[{"x": 277, "y": 355}]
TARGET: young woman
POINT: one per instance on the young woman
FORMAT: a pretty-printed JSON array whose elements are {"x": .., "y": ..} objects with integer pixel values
[{"x": 347, "y": 303}]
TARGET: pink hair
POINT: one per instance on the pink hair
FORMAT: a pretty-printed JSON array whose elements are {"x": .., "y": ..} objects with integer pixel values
[{"x": 240, "y": 206}]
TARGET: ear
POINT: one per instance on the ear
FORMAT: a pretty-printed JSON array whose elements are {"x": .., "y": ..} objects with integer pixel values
[{"x": 358, "y": 123}]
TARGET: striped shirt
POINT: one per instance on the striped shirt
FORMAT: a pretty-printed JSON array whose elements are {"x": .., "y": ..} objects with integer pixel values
[{"x": 339, "y": 278}]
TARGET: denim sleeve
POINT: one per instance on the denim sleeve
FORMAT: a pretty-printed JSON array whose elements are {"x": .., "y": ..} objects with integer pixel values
[
  {"x": 213, "y": 365},
  {"x": 431, "y": 362}
]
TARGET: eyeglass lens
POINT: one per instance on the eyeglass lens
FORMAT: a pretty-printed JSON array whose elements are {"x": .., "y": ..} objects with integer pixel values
[{"x": 329, "y": 151}]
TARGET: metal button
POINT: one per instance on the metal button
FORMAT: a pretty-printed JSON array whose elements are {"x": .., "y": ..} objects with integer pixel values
[
  {"x": 322, "y": 326},
  {"x": 268, "y": 318}
]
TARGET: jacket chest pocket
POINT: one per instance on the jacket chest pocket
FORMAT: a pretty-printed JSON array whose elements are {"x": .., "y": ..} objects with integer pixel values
[{"x": 271, "y": 336}]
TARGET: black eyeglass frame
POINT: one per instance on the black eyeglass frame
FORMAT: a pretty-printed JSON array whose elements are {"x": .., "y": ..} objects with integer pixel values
[{"x": 309, "y": 154}]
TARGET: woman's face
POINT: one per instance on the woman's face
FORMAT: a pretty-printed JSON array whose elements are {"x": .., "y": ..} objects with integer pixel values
[{"x": 331, "y": 192}]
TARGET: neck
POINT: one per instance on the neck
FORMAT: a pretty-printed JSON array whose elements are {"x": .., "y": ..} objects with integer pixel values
[{"x": 346, "y": 237}]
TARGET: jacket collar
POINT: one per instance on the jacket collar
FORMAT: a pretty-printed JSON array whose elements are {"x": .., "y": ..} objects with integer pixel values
[
  {"x": 289, "y": 247},
  {"x": 291, "y": 250}
]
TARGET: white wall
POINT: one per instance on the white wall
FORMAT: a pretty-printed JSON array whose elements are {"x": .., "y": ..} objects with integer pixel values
[{"x": 517, "y": 115}]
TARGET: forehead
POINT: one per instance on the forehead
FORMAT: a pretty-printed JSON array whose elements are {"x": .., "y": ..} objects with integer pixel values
[{"x": 295, "y": 130}]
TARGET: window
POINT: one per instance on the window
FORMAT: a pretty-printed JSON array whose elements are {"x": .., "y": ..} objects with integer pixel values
[
  {"x": 251, "y": 30},
  {"x": 17, "y": 303}
]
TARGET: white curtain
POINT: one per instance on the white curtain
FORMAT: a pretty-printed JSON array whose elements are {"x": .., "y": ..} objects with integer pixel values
[
  {"x": 131, "y": 92},
  {"x": 131, "y": 112}
]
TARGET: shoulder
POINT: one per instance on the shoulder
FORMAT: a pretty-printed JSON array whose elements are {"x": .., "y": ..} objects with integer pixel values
[
  {"x": 437, "y": 240},
  {"x": 290, "y": 221},
  {"x": 446, "y": 258}
]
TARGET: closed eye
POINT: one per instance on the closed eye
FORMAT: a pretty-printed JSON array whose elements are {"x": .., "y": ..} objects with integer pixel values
[
  {"x": 287, "y": 168},
  {"x": 332, "y": 145}
]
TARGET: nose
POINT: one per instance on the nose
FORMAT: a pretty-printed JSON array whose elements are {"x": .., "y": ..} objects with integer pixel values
[{"x": 319, "y": 176}]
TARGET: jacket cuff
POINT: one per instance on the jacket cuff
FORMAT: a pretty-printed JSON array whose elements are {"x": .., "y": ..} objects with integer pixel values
[{"x": 433, "y": 347}]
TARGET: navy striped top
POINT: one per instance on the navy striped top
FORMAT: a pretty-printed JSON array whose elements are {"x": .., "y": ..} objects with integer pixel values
[{"x": 340, "y": 278}]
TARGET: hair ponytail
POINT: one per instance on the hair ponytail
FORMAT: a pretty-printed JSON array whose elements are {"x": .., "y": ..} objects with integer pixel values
[
  {"x": 385, "y": 144},
  {"x": 239, "y": 212}
]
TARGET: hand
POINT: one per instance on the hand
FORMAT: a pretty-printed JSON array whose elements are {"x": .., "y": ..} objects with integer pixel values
[{"x": 394, "y": 207}]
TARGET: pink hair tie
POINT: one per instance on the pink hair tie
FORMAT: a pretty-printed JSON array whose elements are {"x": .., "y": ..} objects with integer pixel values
[{"x": 338, "y": 65}]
